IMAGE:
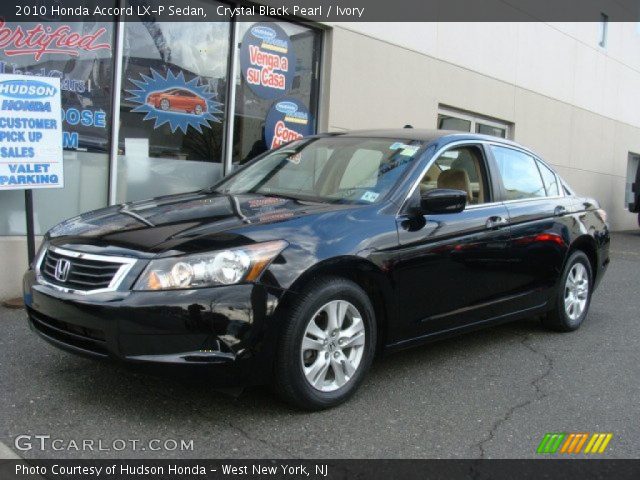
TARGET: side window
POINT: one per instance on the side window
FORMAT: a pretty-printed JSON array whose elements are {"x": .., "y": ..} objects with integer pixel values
[
  {"x": 520, "y": 175},
  {"x": 461, "y": 168},
  {"x": 550, "y": 180}
]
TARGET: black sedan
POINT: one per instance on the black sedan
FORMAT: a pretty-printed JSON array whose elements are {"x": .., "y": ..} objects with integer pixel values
[{"x": 296, "y": 269}]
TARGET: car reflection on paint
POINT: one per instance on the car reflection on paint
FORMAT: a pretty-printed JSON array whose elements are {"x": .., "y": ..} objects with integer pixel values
[{"x": 179, "y": 99}]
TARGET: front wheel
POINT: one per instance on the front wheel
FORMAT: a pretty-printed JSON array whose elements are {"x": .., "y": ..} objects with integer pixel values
[
  {"x": 573, "y": 297},
  {"x": 327, "y": 345}
]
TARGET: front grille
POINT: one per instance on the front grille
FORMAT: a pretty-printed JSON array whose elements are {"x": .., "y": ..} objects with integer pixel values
[
  {"x": 86, "y": 272},
  {"x": 90, "y": 340}
]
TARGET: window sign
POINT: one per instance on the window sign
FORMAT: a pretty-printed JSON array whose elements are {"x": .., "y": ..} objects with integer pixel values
[
  {"x": 79, "y": 55},
  {"x": 30, "y": 133},
  {"x": 172, "y": 104},
  {"x": 171, "y": 99},
  {"x": 287, "y": 120},
  {"x": 267, "y": 60}
]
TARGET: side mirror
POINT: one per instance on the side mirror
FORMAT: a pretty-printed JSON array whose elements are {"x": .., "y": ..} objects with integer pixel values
[{"x": 443, "y": 200}]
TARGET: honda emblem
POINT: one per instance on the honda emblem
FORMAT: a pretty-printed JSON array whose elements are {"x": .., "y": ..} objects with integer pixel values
[{"x": 63, "y": 267}]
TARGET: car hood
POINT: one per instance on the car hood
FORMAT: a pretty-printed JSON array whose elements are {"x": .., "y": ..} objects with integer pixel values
[{"x": 181, "y": 223}]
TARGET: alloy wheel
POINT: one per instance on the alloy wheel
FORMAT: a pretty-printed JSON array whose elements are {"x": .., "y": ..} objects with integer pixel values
[
  {"x": 333, "y": 346},
  {"x": 576, "y": 291}
]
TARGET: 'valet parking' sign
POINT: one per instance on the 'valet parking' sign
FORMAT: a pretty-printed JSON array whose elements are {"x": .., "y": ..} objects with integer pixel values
[{"x": 30, "y": 133}]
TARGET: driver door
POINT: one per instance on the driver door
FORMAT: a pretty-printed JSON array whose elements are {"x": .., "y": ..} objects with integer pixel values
[{"x": 452, "y": 269}]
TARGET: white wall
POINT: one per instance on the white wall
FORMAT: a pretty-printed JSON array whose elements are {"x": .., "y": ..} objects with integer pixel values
[
  {"x": 571, "y": 101},
  {"x": 559, "y": 60}
]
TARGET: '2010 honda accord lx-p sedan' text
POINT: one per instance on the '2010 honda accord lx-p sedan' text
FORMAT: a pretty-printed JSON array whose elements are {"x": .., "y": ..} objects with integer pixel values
[{"x": 301, "y": 265}]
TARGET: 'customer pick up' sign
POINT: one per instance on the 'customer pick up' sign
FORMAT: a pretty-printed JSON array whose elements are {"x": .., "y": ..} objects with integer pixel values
[{"x": 30, "y": 133}]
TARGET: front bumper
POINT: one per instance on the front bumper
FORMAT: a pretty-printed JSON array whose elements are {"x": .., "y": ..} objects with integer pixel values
[{"x": 230, "y": 330}]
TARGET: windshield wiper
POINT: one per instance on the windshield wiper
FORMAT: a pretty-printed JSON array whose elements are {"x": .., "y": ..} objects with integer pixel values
[{"x": 291, "y": 197}]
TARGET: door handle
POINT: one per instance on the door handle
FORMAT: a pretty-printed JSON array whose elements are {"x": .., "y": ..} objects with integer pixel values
[
  {"x": 496, "y": 222},
  {"x": 559, "y": 211}
]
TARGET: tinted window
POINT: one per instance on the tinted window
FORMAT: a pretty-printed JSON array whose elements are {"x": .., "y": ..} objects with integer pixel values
[
  {"x": 550, "y": 180},
  {"x": 491, "y": 130},
  {"x": 460, "y": 168},
  {"x": 447, "y": 122},
  {"x": 520, "y": 175}
]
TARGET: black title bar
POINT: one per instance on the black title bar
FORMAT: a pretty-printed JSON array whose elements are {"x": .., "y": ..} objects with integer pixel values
[
  {"x": 322, "y": 10},
  {"x": 549, "y": 469}
]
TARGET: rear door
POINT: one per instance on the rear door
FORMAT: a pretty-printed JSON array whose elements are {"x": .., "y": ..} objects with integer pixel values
[
  {"x": 451, "y": 270},
  {"x": 539, "y": 215}
]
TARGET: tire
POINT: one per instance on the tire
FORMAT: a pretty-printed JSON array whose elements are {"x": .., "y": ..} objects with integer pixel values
[
  {"x": 197, "y": 110},
  {"x": 165, "y": 105},
  {"x": 562, "y": 318},
  {"x": 337, "y": 363}
]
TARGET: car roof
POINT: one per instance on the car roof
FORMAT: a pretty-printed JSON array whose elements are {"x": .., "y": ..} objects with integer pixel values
[{"x": 425, "y": 135}]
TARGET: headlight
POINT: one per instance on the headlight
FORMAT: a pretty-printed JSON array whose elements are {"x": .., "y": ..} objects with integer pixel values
[{"x": 224, "y": 267}]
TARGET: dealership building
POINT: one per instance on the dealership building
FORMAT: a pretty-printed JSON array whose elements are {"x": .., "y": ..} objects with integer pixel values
[{"x": 154, "y": 108}]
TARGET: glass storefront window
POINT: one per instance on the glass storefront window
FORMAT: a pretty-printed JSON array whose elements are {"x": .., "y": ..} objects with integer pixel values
[
  {"x": 172, "y": 108},
  {"x": 289, "y": 92},
  {"x": 86, "y": 78}
]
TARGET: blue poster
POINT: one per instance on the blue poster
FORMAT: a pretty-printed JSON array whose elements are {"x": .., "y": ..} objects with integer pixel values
[
  {"x": 267, "y": 60},
  {"x": 175, "y": 101},
  {"x": 287, "y": 120}
]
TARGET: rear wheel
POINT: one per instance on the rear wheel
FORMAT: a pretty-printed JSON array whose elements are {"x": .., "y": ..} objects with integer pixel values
[
  {"x": 327, "y": 345},
  {"x": 573, "y": 297}
]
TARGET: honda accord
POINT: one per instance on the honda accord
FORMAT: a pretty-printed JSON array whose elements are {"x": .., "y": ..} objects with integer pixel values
[{"x": 296, "y": 269}]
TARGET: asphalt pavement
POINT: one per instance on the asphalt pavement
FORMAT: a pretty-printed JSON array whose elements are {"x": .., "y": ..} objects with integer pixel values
[{"x": 492, "y": 394}]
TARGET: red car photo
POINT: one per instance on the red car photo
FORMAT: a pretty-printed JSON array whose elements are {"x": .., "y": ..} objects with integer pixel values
[{"x": 177, "y": 99}]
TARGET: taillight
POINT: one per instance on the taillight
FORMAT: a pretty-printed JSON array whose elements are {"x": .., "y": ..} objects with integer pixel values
[{"x": 549, "y": 237}]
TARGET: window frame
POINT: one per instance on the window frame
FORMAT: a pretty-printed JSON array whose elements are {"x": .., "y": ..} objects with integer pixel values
[{"x": 475, "y": 119}]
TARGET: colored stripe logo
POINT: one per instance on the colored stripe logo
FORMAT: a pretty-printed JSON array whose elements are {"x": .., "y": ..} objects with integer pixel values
[{"x": 573, "y": 443}]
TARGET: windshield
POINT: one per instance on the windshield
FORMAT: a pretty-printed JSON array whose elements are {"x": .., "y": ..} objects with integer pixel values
[{"x": 331, "y": 169}]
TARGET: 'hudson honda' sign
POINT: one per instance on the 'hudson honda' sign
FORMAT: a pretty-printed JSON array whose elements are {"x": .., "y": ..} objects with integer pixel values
[{"x": 30, "y": 133}]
